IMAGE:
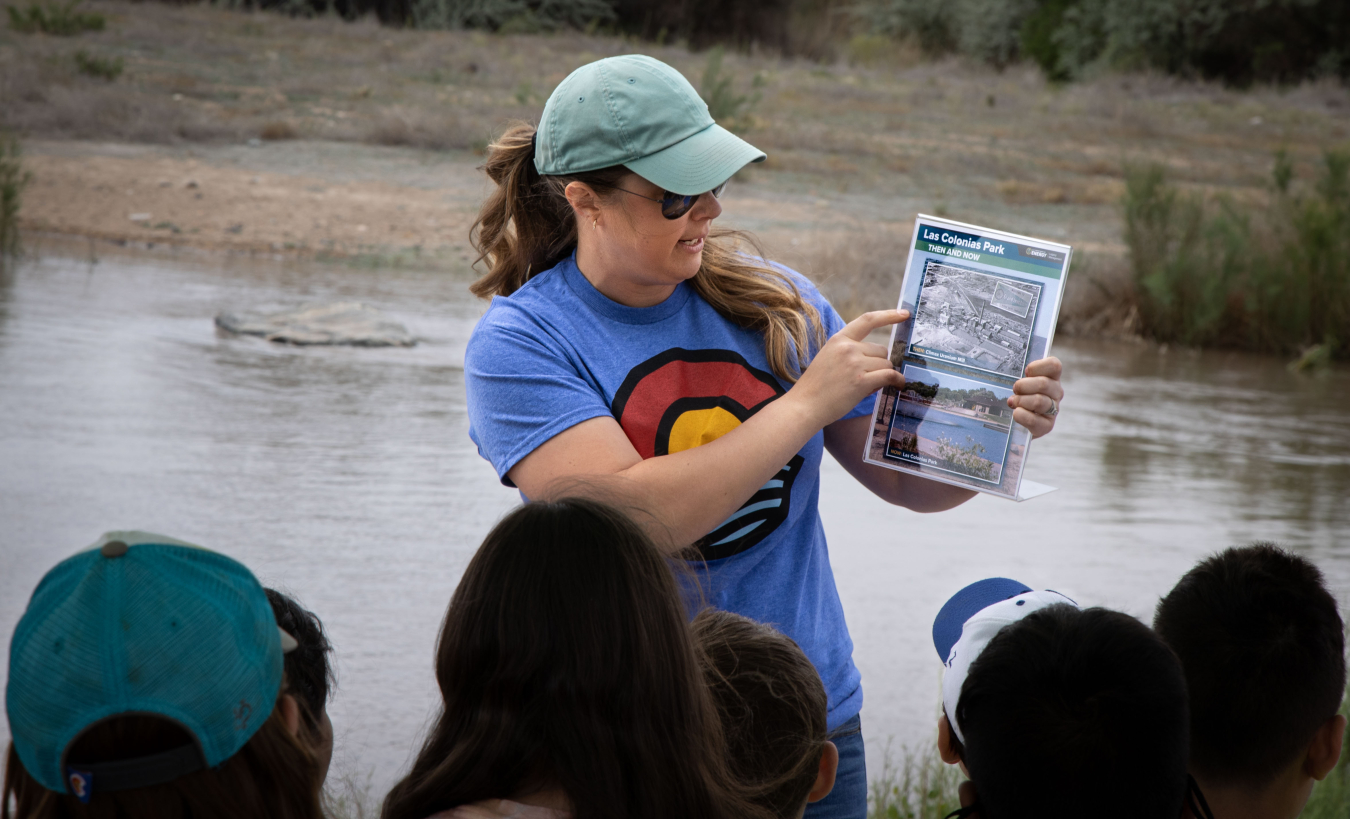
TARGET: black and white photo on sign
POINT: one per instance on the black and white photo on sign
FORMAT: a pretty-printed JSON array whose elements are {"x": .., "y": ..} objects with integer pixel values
[{"x": 975, "y": 319}]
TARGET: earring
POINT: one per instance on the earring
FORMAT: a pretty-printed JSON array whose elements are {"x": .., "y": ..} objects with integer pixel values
[{"x": 594, "y": 224}]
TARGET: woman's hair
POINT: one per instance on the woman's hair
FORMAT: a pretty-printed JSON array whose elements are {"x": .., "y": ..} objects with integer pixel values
[
  {"x": 772, "y": 703},
  {"x": 274, "y": 775},
  {"x": 565, "y": 662},
  {"x": 527, "y": 226}
]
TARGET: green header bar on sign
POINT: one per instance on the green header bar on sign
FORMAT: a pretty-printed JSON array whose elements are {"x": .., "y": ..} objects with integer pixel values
[{"x": 969, "y": 253}]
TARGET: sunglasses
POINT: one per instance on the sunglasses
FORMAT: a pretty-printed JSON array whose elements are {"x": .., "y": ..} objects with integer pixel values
[{"x": 675, "y": 205}]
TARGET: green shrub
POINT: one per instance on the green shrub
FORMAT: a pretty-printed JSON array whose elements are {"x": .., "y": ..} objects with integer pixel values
[
  {"x": 921, "y": 786},
  {"x": 510, "y": 16},
  {"x": 1239, "y": 43},
  {"x": 1208, "y": 272},
  {"x": 930, "y": 23},
  {"x": 869, "y": 49},
  {"x": 108, "y": 68},
  {"x": 61, "y": 20},
  {"x": 13, "y": 179},
  {"x": 729, "y": 109}
]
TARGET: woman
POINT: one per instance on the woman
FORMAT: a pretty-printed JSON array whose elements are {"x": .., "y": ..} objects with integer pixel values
[
  {"x": 569, "y": 683},
  {"x": 633, "y": 342}
]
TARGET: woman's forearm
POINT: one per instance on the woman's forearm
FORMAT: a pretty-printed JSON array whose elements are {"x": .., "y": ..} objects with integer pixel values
[
  {"x": 682, "y": 496},
  {"x": 688, "y": 493}
]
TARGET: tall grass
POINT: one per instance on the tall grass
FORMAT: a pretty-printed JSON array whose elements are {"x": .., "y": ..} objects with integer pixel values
[
  {"x": 13, "y": 179},
  {"x": 919, "y": 786},
  {"x": 1210, "y": 272},
  {"x": 730, "y": 109},
  {"x": 350, "y": 796},
  {"x": 1331, "y": 797}
]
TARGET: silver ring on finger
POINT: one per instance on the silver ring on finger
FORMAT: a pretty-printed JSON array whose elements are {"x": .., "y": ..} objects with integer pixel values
[{"x": 1054, "y": 409}]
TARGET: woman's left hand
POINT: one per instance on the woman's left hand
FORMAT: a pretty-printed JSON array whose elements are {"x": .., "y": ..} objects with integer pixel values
[{"x": 1035, "y": 399}]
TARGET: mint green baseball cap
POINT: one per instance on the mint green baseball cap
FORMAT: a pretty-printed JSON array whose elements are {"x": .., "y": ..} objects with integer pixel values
[{"x": 641, "y": 113}]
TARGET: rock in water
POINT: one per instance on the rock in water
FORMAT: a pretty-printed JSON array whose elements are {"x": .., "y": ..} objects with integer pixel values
[{"x": 345, "y": 322}]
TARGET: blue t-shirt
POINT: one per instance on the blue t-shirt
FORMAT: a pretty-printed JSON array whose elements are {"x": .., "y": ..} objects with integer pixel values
[{"x": 558, "y": 352}]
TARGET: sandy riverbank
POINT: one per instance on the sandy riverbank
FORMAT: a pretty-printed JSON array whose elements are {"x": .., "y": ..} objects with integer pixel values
[{"x": 318, "y": 137}]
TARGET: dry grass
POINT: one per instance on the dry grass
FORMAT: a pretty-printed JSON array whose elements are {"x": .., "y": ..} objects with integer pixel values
[
  {"x": 857, "y": 270},
  {"x": 878, "y": 135},
  {"x": 1099, "y": 298},
  {"x": 882, "y": 114},
  {"x": 435, "y": 130},
  {"x": 278, "y": 129}
]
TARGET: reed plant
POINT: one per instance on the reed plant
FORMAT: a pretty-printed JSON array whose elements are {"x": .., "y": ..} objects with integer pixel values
[
  {"x": 1208, "y": 271},
  {"x": 348, "y": 795},
  {"x": 917, "y": 786},
  {"x": 13, "y": 179},
  {"x": 730, "y": 109},
  {"x": 1330, "y": 798}
]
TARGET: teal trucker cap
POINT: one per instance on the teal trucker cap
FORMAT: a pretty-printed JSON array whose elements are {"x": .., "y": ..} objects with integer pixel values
[
  {"x": 639, "y": 112},
  {"x": 144, "y": 624}
]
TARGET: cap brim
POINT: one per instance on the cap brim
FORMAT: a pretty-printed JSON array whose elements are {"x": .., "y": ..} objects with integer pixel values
[
  {"x": 964, "y": 604},
  {"x": 698, "y": 163}
]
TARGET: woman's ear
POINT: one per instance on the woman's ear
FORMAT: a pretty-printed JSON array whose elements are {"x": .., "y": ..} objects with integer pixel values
[
  {"x": 584, "y": 200},
  {"x": 290, "y": 713},
  {"x": 829, "y": 767}
]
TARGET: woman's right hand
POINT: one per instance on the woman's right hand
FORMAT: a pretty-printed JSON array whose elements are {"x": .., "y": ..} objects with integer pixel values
[{"x": 848, "y": 369}]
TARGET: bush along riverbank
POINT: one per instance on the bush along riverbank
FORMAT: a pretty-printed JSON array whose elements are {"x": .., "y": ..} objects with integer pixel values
[
  {"x": 13, "y": 179},
  {"x": 1269, "y": 277}
]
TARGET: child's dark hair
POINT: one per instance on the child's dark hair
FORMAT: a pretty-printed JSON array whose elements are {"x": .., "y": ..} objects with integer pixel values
[
  {"x": 1070, "y": 712},
  {"x": 772, "y": 704},
  {"x": 274, "y": 775},
  {"x": 565, "y": 661},
  {"x": 1263, "y": 649},
  {"x": 309, "y": 676}
]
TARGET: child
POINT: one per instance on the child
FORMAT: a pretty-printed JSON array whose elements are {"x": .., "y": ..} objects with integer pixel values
[
  {"x": 772, "y": 705},
  {"x": 1053, "y": 710},
  {"x": 308, "y": 674},
  {"x": 569, "y": 684},
  {"x": 1263, "y": 649},
  {"x": 145, "y": 679}
]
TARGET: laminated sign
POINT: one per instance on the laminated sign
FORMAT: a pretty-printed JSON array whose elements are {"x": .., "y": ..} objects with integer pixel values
[{"x": 982, "y": 304}]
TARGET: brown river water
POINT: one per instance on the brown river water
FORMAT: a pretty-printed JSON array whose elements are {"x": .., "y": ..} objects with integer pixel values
[{"x": 346, "y": 476}]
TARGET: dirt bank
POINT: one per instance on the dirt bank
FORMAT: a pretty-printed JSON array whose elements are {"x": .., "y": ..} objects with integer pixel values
[{"x": 300, "y": 198}]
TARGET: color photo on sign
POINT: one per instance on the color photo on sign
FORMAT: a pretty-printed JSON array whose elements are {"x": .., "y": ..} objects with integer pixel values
[
  {"x": 950, "y": 423},
  {"x": 978, "y": 320}
]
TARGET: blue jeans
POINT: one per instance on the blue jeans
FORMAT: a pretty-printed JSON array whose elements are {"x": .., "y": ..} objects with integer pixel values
[{"x": 848, "y": 800}]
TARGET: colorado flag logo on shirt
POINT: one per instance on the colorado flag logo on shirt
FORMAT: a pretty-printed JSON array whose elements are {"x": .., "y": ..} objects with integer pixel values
[{"x": 681, "y": 399}]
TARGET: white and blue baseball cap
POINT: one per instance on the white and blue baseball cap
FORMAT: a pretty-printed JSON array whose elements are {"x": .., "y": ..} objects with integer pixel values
[{"x": 970, "y": 619}]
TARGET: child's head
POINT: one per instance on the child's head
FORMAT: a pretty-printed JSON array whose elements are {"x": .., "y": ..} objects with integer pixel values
[
  {"x": 565, "y": 664},
  {"x": 145, "y": 679},
  {"x": 1263, "y": 649},
  {"x": 773, "y": 709},
  {"x": 1061, "y": 711},
  {"x": 309, "y": 677}
]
